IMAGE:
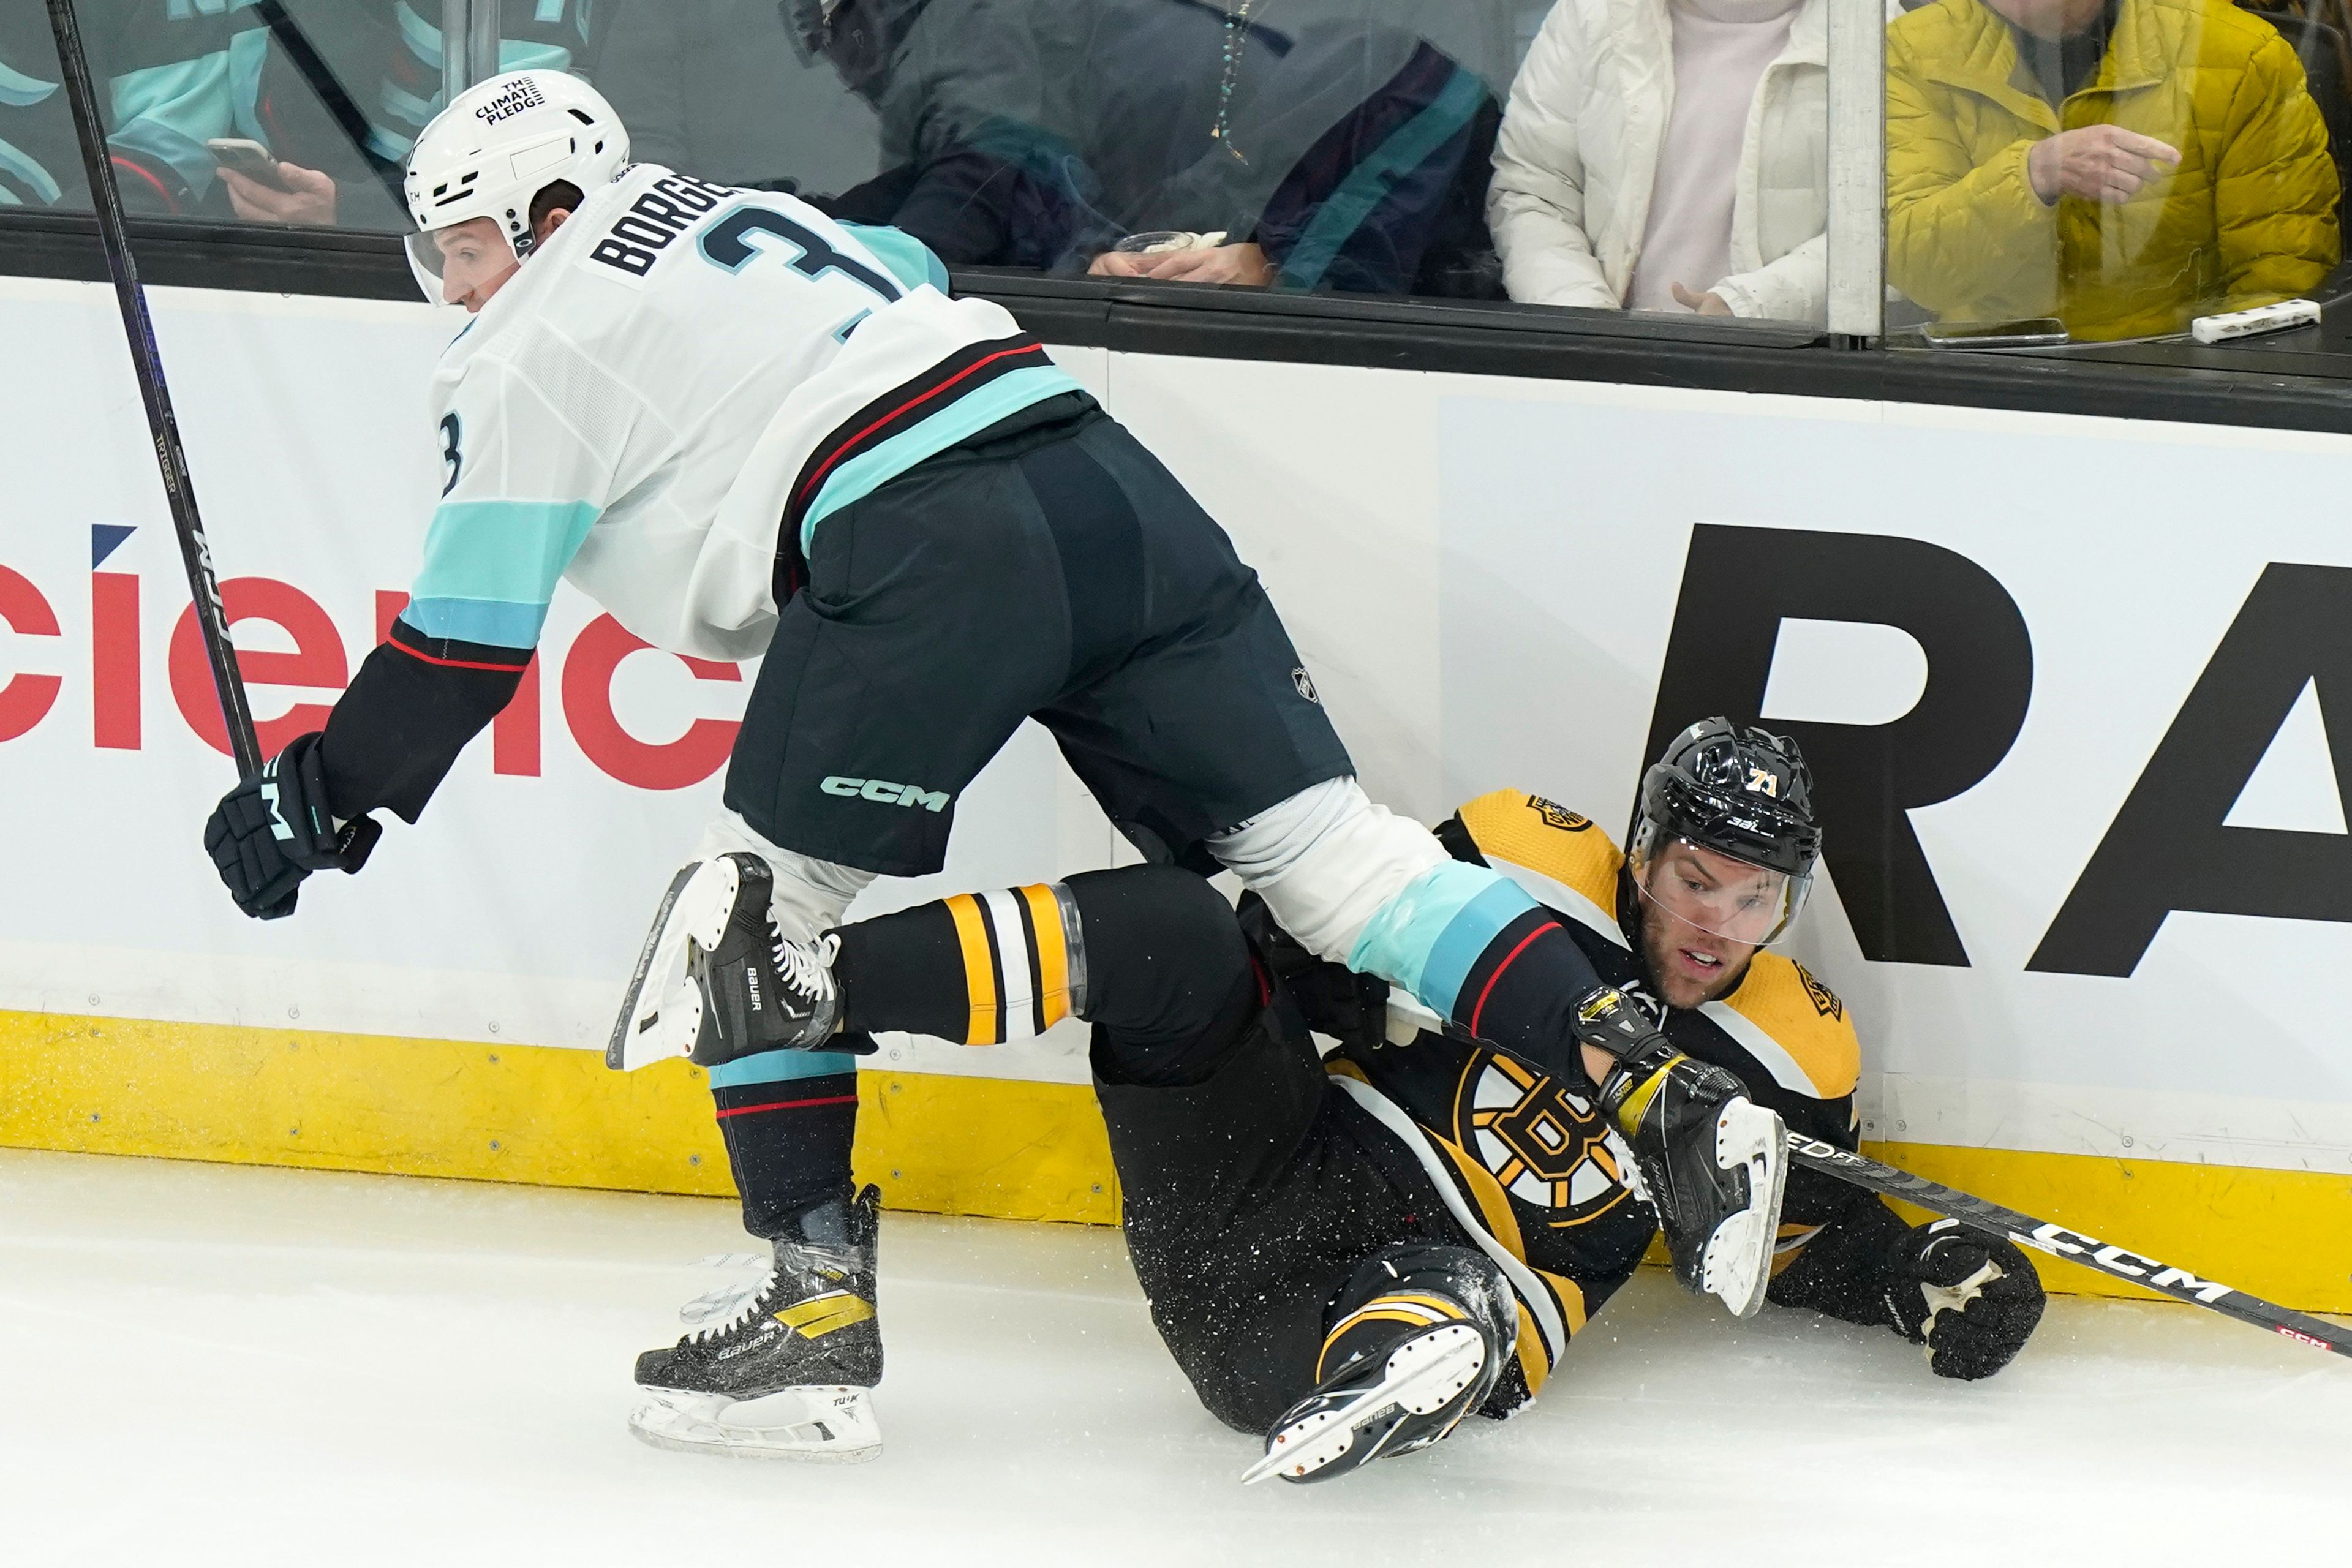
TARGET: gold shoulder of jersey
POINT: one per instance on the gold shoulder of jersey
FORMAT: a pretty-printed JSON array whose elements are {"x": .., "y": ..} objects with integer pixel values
[
  {"x": 1546, "y": 839},
  {"x": 1805, "y": 1018}
]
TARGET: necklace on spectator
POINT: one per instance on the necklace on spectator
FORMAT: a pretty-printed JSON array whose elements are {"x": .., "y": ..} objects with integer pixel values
[{"x": 1236, "y": 45}]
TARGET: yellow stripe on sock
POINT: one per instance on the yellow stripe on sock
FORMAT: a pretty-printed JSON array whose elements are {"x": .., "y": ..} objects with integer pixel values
[
  {"x": 1534, "y": 1364},
  {"x": 979, "y": 970},
  {"x": 1052, "y": 953},
  {"x": 1572, "y": 1299},
  {"x": 1374, "y": 1314}
]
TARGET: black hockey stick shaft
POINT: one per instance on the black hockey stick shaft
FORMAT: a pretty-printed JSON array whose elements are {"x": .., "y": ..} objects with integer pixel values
[
  {"x": 322, "y": 79},
  {"x": 2070, "y": 1244},
  {"x": 171, "y": 457}
]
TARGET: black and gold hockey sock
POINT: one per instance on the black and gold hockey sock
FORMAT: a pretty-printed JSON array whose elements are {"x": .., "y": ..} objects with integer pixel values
[{"x": 981, "y": 968}]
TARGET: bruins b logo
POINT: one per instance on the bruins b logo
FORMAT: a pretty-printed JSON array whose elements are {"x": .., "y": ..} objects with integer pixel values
[
  {"x": 1545, "y": 1146},
  {"x": 1825, "y": 1001},
  {"x": 1559, "y": 816}
]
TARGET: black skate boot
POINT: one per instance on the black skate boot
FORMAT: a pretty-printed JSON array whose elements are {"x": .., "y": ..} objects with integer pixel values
[
  {"x": 1420, "y": 1339},
  {"x": 715, "y": 980},
  {"x": 785, "y": 1373},
  {"x": 1712, "y": 1162}
]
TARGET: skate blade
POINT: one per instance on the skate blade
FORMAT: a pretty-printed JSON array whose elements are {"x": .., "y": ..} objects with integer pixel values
[
  {"x": 1737, "y": 1264},
  {"x": 1422, "y": 1374},
  {"x": 661, "y": 1015},
  {"x": 824, "y": 1425}
]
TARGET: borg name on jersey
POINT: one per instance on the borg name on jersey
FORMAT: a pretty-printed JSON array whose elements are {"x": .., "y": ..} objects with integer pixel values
[{"x": 671, "y": 205}]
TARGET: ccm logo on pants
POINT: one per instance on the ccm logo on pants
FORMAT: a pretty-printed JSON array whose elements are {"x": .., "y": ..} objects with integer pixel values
[{"x": 885, "y": 792}]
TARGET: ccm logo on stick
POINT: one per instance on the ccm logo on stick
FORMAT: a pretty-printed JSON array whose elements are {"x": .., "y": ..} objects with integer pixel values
[
  {"x": 884, "y": 793},
  {"x": 2058, "y": 1240}
]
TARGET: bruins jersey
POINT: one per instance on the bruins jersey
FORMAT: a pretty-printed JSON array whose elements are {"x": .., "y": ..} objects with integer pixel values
[{"x": 1532, "y": 1164}]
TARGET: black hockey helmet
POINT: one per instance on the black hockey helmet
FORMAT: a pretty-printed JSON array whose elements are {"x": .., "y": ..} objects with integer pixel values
[{"x": 1744, "y": 794}]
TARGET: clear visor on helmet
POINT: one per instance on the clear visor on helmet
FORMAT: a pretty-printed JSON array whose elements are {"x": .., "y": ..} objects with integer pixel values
[
  {"x": 1717, "y": 893},
  {"x": 464, "y": 257}
]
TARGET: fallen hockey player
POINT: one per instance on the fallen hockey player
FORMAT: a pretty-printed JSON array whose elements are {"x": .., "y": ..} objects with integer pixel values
[
  {"x": 747, "y": 430},
  {"x": 1350, "y": 1254}
]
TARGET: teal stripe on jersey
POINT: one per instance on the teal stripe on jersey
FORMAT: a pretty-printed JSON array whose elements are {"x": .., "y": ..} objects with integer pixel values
[
  {"x": 499, "y": 622},
  {"x": 18, "y": 91},
  {"x": 1364, "y": 189},
  {"x": 522, "y": 55},
  {"x": 495, "y": 564},
  {"x": 1426, "y": 938},
  {"x": 910, "y": 261},
  {"x": 27, "y": 169},
  {"x": 780, "y": 1067},
  {"x": 166, "y": 112},
  {"x": 967, "y": 415}
]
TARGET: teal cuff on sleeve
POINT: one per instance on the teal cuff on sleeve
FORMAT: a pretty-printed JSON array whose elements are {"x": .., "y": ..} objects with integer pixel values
[{"x": 1426, "y": 938}]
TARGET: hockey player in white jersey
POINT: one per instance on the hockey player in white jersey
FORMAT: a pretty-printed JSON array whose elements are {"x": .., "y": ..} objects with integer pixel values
[{"x": 746, "y": 429}]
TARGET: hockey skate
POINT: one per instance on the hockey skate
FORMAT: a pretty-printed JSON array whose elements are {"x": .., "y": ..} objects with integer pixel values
[
  {"x": 785, "y": 1373},
  {"x": 1402, "y": 1369},
  {"x": 1712, "y": 1162},
  {"x": 715, "y": 980}
]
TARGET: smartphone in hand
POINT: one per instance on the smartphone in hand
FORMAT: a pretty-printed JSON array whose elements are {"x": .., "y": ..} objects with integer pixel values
[{"x": 248, "y": 158}]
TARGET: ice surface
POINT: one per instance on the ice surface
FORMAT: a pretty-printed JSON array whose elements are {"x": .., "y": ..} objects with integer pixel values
[{"x": 205, "y": 1365}]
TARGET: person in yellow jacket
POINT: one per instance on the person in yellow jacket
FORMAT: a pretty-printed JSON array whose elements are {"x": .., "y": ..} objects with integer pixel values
[{"x": 2124, "y": 165}]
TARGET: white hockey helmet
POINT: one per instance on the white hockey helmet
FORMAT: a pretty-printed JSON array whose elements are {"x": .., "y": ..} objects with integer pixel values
[{"x": 499, "y": 144}]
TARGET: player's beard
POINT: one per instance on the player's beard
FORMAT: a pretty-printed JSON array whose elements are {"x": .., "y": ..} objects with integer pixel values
[{"x": 1664, "y": 940}]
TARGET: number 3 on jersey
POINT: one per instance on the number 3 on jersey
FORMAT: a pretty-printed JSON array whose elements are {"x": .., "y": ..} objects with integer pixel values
[{"x": 730, "y": 243}]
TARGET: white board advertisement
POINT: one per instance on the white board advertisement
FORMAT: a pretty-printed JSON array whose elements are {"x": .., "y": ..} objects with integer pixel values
[{"x": 2067, "y": 683}]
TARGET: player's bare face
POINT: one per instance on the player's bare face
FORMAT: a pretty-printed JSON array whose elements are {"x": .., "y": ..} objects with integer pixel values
[
  {"x": 1687, "y": 963},
  {"x": 476, "y": 262}
]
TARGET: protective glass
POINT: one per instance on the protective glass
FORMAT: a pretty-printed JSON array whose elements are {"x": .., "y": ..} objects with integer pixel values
[
  {"x": 1717, "y": 893},
  {"x": 808, "y": 26},
  {"x": 429, "y": 267}
]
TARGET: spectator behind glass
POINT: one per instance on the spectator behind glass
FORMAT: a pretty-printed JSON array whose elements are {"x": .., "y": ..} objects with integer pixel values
[
  {"x": 1030, "y": 132},
  {"x": 343, "y": 114},
  {"x": 1669, "y": 155},
  {"x": 717, "y": 88},
  {"x": 171, "y": 76},
  {"x": 2124, "y": 165},
  {"x": 1357, "y": 160}
]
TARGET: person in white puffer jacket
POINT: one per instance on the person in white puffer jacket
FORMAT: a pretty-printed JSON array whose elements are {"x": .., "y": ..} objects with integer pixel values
[{"x": 1669, "y": 155}]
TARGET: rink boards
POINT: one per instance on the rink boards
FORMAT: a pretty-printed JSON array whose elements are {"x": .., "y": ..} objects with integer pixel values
[{"x": 2068, "y": 682}]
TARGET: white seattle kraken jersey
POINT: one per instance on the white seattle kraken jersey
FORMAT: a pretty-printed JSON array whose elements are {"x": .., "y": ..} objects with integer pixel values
[{"x": 599, "y": 418}]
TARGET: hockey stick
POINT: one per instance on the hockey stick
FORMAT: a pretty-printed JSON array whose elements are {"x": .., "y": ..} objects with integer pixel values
[
  {"x": 322, "y": 79},
  {"x": 2070, "y": 1244},
  {"x": 105, "y": 201}
]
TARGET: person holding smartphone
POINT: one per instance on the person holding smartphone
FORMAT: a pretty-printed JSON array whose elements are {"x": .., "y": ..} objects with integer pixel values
[{"x": 263, "y": 188}]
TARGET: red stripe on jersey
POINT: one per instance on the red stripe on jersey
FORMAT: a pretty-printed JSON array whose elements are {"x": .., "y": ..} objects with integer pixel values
[
  {"x": 458, "y": 663},
  {"x": 1489, "y": 989},
  {"x": 846, "y": 446}
]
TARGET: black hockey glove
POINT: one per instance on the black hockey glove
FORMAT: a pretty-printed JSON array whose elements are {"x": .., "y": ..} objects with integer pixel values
[
  {"x": 1351, "y": 1008},
  {"x": 1972, "y": 1299},
  {"x": 274, "y": 829}
]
